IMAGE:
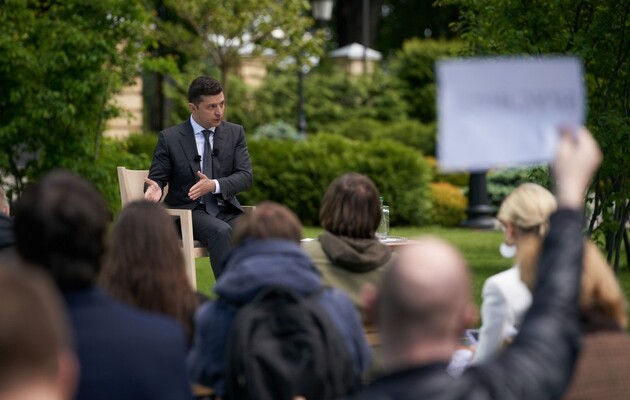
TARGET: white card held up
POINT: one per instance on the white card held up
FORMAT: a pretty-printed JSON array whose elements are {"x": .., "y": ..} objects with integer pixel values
[{"x": 501, "y": 112}]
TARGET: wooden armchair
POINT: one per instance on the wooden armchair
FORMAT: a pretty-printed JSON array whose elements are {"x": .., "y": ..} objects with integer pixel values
[{"x": 131, "y": 183}]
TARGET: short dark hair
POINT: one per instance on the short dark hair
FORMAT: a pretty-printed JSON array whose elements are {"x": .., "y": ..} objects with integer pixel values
[
  {"x": 60, "y": 226},
  {"x": 203, "y": 86},
  {"x": 270, "y": 220},
  {"x": 34, "y": 329},
  {"x": 351, "y": 207}
]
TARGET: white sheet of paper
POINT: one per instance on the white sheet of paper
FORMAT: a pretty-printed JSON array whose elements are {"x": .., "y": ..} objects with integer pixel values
[{"x": 501, "y": 112}]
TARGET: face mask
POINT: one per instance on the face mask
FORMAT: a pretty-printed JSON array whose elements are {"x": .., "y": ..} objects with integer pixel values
[{"x": 507, "y": 250}]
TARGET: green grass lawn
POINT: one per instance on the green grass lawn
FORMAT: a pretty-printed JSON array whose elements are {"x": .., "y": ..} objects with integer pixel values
[{"x": 480, "y": 248}]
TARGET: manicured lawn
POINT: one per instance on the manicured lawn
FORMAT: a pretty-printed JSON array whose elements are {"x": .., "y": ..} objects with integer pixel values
[{"x": 480, "y": 248}]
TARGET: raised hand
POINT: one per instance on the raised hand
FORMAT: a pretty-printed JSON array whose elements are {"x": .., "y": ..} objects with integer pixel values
[{"x": 577, "y": 160}]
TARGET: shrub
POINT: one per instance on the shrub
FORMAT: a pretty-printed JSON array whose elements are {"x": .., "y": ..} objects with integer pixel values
[
  {"x": 102, "y": 172},
  {"x": 414, "y": 65},
  {"x": 330, "y": 97},
  {"x": 409, "y": 132},
  {"x": 502, "y": 182},
  {"x": 277, "y": 130},
  {"x": 449, "y": 204},
  {"x": 139, "y": 143},
  {"x": 458, "y": 179},
  {"x": 297, "y": 174}
]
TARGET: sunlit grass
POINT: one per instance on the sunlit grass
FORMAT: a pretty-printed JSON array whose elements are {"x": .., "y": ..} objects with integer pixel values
[{"x": 480, "y": 248}]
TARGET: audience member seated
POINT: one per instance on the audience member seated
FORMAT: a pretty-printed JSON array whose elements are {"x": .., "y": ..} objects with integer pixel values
[
  {"x": 267, "y": 253},
  {"x": 600, "y": 371},
  {"x": 144, "y": 266},
  {"x": 524, "y": 215},
  {"x": 124, "y": 353},
  {"x": 36, "y": 359},
  {"x": 347, "y": 253},
  {"x": 425, "y": 303}
]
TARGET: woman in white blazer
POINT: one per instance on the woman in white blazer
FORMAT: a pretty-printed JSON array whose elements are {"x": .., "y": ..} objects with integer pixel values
[{"x": 523, "y": 213}]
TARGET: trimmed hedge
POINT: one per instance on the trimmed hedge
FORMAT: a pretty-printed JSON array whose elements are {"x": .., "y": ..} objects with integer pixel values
[
  {"x": 449, "y": 204},
  {"x": 297, "y": 174},
  {"x": 409, "y": 132}
]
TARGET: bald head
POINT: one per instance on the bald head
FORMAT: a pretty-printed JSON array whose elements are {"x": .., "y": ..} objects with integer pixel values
[{"x": 426, "y": 295}]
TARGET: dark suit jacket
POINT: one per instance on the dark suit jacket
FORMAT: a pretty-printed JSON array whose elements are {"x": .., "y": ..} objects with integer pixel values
[
  {"x": 124, "y": 353},
  {"x": 175, "y": 163}
]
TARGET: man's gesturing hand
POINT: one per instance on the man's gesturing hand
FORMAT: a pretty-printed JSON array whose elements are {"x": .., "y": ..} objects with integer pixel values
[
  {"x": 153, "y": 192},
  {"x": 203, "y": 186}
]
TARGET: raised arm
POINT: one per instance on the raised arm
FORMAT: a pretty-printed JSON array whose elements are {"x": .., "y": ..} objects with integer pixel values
[{"x": 539, "y": 363}]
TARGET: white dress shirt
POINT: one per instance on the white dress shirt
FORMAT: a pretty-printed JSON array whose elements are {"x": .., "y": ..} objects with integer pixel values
[{"x": 200, "y": 141}]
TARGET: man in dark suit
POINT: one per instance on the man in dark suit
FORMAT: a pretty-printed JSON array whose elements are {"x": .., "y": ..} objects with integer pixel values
[
  {"x": 205, "y": 163},
  {"x": 124, "y": 353}
]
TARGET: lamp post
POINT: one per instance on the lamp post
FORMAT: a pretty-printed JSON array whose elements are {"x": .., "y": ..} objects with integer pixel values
[
  {"x": 479, "y": 209},
  {"x": 322, "y": 11}
]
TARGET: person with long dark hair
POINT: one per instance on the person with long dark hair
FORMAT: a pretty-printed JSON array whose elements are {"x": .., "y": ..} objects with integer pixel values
[{"x": 144, "y": 266}]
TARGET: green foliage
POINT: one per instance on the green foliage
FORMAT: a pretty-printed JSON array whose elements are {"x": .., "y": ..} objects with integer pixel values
[
  {"x": 414, "y": 66},
  {"x": 502, "y": 182},
  {"x": 199, "y": 35},
  {"x": 277, "y": 130},
  {"x": 330, "y": 98},
  {"x": 60, "y": 64},
  {"x": 596, "y": 31},
  {"x": 409, "y": 132},
  {"x": 297, "y": 174},
  {"x": 460, "y": 179},
  {"x": 142, "y": 143},
  {"x": 449, "y": 204},
  {"x": 102, "y": 172}
]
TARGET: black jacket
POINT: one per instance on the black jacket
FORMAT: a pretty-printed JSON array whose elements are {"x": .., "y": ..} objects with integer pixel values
[{"x": 539, "y": 364}]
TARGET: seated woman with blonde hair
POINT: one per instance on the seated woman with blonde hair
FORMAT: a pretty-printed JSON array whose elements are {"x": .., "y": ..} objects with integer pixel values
[
  {"x": 605, "y": 357},
  {"x": 524, "y": 215}
]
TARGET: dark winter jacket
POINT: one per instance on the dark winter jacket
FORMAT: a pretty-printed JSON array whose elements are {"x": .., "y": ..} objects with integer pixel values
[{"x": 252, "y": 266}]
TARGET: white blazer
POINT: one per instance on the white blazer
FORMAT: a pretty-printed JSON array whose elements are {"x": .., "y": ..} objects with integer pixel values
[{"x": 506, "y": 299}]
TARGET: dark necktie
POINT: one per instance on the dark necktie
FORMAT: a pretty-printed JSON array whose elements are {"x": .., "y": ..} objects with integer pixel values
[{"x": 212, "y": 207}]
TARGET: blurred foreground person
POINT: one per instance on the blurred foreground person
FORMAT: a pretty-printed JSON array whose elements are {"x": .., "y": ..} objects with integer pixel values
[
  {"x": 36, "y": 360},
  {"x": 601, "y": 368},
  {"x": 524, "y": 215},
  {"x": 144, "y": 266},
  {"x": 311, "y": 345},
  {"x": 425, "y": 303},
  {"x": 124, "y": 353}
]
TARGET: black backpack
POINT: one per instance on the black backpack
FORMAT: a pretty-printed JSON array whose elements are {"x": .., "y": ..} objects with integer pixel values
[{"x": 282, "y": 345}]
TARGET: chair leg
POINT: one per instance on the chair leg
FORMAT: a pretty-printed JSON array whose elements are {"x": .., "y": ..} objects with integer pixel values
[{"x": 188, "y": 244}]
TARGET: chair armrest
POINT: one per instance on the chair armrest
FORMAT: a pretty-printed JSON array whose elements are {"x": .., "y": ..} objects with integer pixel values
[
  {"x": 249, "y": 209},
  {"x": 188, "y": 242}
]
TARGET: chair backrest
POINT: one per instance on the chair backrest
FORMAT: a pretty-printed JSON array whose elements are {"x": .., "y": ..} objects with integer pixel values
[{"x": 131, "y": 183}]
